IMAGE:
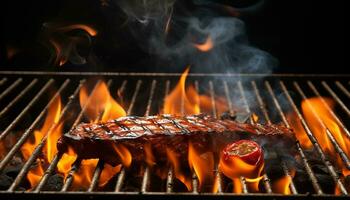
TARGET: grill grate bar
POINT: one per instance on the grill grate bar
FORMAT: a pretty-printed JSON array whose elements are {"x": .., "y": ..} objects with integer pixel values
[
  {"x": 100, "y": 166},
  {"x": 26, "y": 167},
  {"x": 307, "y": 166},
  {"x": 337, "y": 147},
  {"x": 262, "y": 106},
  {"x": 122, "y": 173},
  {"x": 27, "y": 133},
  {"x": 342, "y": 88},
  {"x": 25, "y": 110},
  {"x": 336, "y": 98},
  {"x": 75, "y": 167},
  {"x": 18, "y": 97},
  {"x": 3, "y": 81},
  {"x": 10, "y": 88},
  {"x": 313, "y": 88},
  {"x": 313, "y": 140},
  {"x": 146, "y": 175},
  {"x": 58, "y": 156}
]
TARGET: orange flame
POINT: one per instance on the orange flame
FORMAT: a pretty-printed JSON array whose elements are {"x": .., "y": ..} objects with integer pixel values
[
  {"x": 299, "y": 131},
  {"x": 316, "y": 106},
  {"x": 206, "y": 46},
  {"x": 91, "y": 31},
  {"x": 178, "y": 100},
  {"x": 100, "y": 101},
  {"x": 124, "y": 154},
  {"x": 236, "y": 168},
  {"x": 108, "y": 172},
  {"x": 178, "y": 171},
  {"x": 202, "y": 164},
  {"x": 150, "y": 160},
  {"x": 83, "y": 177},
  {"x": 282, "y": 185},
  {"x": 255, "y": 118},
  {"x": 52, "y": 118},
  {"x": 67, "y": 160}
]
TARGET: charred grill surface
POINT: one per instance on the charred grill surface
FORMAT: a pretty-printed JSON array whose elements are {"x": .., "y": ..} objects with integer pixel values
[{"x": 99, "y": 140}]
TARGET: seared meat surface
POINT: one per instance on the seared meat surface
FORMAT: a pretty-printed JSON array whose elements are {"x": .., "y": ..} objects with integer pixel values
[{"x": 99, "y": 140}]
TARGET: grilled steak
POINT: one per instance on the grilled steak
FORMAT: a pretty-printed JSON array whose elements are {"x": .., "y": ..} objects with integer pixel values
[{"x": 98, "y": 140}]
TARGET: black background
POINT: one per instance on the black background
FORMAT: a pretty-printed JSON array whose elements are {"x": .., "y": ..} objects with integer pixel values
[{"x": 305, "y": 36}]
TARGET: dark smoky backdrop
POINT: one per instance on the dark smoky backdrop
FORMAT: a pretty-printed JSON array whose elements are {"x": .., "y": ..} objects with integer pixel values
[{"x": 238, "y": 36}]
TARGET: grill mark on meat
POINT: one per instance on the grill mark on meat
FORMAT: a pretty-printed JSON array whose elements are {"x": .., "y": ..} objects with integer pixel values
[{"x": 96, "y": 140}]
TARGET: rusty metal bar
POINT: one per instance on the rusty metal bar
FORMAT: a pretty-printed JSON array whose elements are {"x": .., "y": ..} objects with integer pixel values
[
  {"x": 262, "y": 106},
  {"x": 10, "y": 88},
  {"x": 57, "y": 157},
  {"x": 146, "y": 175},
  {"x": 26, "y": 167},
  {"x": 29, "y": 130},
  {"x": 170, "y": 177},
  {"x": 26, "y": 109},
  {"x": 339, "y": 122},
  {"x": 336, "y": 98},
  {"x": 121, "y": 176},
  {"x": 69, "y": 180},
  {"x": 3, "y": 81},
  {"x": 218, "y": 174},
  {"x": 306, "y": 164},
  {"x": 313, "y": 140},
  {"x": 18, "y": 97},
  {"x": 240, "y": 87},
  {"x": 100, "y": 165},
  {"x": 337, "y": 147},
  {"x": 342, "y": 88}
]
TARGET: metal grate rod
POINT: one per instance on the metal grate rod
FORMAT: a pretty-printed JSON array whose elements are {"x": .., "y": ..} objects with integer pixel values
[
  {"x": 313, "y": 88},
  {"x": 27, "y": 133},
  {"x": 336, "y": 98},
  {"x": 337, "y": 147},
  {"x": 100, "y": 165},
  {"x": 3, "y": 81},
  {"x": 122, "y": 173},
  {"x": 10, "y": 88},
  {"x": 18, "y": 97},
  {"x": 313, "y": 140},
  {"x": 218, "y": 174},
  {"x": 146, "y": 175},
  {"x": 262, "y": 106},
  {"x": 36, "y": 153},
  {"x": 26, "y": 109},
  {"x": 343, "y": 88},
  {"x": 307, "y": 166}
]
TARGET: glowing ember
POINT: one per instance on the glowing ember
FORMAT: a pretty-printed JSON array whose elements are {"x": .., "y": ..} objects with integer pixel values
[{"x": 206, "y": 46}]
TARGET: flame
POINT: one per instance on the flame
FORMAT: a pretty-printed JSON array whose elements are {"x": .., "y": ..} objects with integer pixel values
[
  {"x": 150, "y": 160},
  {"x": 100, "y": 101},
  {"x": 206, "y": 46},
  {"x": 52, "y": 118},
  {"x": 91, "y": 31},
  {"x": 108, "y": 172},
  {"x": 178, "y": 99},
  {"x": 315, "y": 106},
  {"x": 82, "y": 178},
  {"x": 202, "y": 164},
  {"x": 178, "y": 171},
  {"x": 255, "y": 118},
  {"x": 282, "y": 185},
  {"x": 67, "y": 160},
  {"x": 299, "y": 131},
  {"x": 124, "y": 154},
  {"x": 236, "y": 168}
]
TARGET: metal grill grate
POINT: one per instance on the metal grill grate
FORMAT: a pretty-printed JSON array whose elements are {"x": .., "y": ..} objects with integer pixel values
[{"x": 26, "y": 96}]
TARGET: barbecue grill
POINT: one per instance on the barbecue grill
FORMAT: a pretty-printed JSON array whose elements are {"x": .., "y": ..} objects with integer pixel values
[{"x": 26, "y": 96}]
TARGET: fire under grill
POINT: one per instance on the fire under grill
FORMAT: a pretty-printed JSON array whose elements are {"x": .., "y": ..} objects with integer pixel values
[{"x": 316, "y": 170}]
